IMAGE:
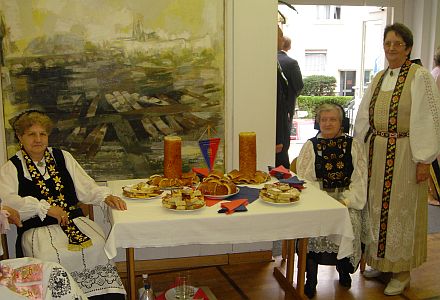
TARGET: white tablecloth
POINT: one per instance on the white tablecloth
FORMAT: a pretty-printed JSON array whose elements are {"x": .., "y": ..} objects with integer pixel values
[{"x": 147, "y": 224}]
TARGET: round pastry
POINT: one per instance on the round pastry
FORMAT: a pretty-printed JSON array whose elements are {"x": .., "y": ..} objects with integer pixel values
[
  {"x": 279, "y": 193},
  {"x": 212, "y": 185},
  {"x": 187, "y": 179},
  {"x": 239, "y": 177}
]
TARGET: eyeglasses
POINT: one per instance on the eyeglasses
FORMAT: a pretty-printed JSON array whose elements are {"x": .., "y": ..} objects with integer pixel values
[{"x": 395, "y": 44}]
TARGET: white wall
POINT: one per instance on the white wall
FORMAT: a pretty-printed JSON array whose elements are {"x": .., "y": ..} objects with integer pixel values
[{"x": 251, "y": 77}]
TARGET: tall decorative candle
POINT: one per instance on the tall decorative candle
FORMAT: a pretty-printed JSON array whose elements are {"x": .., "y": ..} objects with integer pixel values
[
  {"x": 247, "y": 152},
  {"x": 172, "y": 161}
]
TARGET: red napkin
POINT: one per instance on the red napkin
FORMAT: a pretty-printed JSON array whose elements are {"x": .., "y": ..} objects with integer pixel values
[
  {"x": 230, "y": 206},
  {"x": 202, "y": 171},
  {"x": 280, "y": 170},
  {"x": 211, "y": 202},
  {"x": 200, "y": 294}
]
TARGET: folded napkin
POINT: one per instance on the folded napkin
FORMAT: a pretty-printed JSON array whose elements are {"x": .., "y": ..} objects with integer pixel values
[
  {"x": 251, "y": 194},
  {"x": 233, "y": 206},
  {"x": 295, "y": 182},
  {"x": 212, "y": 202},
  {"x": 280, "y": 172},
  {"x": 204, "y": 172},
  {"x": 199, "y": 294}
]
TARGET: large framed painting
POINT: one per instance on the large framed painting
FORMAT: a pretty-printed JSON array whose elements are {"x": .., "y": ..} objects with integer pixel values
[{"x": 116, "y": 77}]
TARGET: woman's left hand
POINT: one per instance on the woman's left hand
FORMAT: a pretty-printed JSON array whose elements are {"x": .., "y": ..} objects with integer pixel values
[
  {"x": 422, "y": 172},
  {"x": 115, "y": 202}
]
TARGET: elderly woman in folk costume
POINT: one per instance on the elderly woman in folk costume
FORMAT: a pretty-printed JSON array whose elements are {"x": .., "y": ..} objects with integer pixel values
[
  {"x": 45, "y": 185},
  {"x": 335, "y": 163},
  {"x": 399, "y": 120}
]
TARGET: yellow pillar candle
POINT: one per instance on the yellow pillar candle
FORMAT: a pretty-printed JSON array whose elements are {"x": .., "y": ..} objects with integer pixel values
[
  {"x": 172, "y": 161},
  {"x": 247, "y": 152}
]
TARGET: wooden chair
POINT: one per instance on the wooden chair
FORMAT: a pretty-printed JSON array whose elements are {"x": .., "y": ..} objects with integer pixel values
[
  {"x": 4, "y": 244},
  {"x": 87, "y": 210},
  {"x": 284, "y": 248}
]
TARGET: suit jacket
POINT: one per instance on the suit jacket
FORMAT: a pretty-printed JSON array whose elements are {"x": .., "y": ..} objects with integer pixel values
[{"x": 293, "y": 75}]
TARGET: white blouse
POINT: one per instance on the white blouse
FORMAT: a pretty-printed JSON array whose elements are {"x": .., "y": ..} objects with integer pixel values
[
  {"x": 87, "y": 190},
  {"x": 424, "y": 129},
  {"x": 356, "y": 196}
]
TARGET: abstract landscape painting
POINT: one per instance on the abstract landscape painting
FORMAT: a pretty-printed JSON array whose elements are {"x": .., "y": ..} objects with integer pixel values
[{"x": 116, "y": 77}]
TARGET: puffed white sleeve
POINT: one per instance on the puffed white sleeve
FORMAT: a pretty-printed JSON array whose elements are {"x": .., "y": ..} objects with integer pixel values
[
  {"x": 305, "y": 165},
  {"x": 28, "y": 206},
  {"x": 424, "y": 129},
  {"x": 362, "y": 123},
  {"x": 356, "y": 196},
  {"x": 87, "y": 190}
]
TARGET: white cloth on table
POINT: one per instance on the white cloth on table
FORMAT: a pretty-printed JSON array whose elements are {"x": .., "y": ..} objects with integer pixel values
[
  {"x": 148, "y": 224},
  {"x": 355, "y": 197},
  {"x": 90, "y": 267}
]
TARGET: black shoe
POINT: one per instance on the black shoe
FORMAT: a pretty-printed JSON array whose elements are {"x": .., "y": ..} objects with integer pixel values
[
  {"x": 345, "y": 279},
  {"x": 309, "y": 290}
]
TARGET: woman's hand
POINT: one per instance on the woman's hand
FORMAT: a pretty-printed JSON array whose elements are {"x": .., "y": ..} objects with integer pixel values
[
  {"x": 278, "y": 148},
  {"x": 59, "y": 214},
  {"x": 14, "y": 216},
  {"x": 422, "y": 172},
  {"x": 115, "y": 202}
]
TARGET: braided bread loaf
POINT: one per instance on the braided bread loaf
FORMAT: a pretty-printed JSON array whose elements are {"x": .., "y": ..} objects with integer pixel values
[{"x": 217, "y": 185}]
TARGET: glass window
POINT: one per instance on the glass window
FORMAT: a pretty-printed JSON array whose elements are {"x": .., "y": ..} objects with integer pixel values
[
  {"x": 328, "y": 12},
  {"x": 316, "y": 61}
]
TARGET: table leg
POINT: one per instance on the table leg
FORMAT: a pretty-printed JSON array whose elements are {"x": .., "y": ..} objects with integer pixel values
[
  {"x": 286, "y": 280},
  {"x": 302, "y": 256},
  {"x": 129, "y": 253},
  {"x": 290, "y": 260}
]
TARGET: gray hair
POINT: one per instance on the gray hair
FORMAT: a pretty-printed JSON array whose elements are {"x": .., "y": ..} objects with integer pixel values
[{"x": 329, "y": 107}]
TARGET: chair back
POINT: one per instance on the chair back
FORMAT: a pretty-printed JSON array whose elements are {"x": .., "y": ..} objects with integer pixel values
[{"x": 293, "y": 165}]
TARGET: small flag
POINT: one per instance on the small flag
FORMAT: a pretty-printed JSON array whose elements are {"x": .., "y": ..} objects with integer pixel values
[{"x": 209, "y": 149}]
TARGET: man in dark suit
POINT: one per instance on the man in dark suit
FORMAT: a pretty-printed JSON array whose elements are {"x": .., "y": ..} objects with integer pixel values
[{"x": 292, "y": 74}]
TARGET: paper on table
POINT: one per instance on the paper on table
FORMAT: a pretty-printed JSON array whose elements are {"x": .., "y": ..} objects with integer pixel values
[{"x": 231, "y": 206}]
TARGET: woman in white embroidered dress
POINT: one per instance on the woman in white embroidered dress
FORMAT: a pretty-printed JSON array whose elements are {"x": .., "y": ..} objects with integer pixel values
[
  {"x": 399, "y": 119},
  {"x": 45, "y": 185},
  {"x": 335, "y": 163}
]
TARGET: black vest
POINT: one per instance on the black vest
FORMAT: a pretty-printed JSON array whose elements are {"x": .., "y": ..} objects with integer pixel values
[
  {"x": 26, "y": 187},
  {"x": 333, "y": 161}
]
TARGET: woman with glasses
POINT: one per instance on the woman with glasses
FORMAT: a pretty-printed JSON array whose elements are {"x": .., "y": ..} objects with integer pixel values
[{"x": 399, "y": 121}]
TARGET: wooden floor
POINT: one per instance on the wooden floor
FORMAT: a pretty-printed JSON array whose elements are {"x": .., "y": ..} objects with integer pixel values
[{"x": 255, "y": 281}]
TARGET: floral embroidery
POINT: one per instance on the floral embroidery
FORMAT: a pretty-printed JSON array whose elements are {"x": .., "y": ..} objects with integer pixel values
[
  {"x": 77, "y": 239},
  {"x": 101, "y": 275},
  {"x": 59, "y": 283}
]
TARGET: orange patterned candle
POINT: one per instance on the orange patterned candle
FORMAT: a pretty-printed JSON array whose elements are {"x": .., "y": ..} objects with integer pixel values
[
  {"x": 247, "y": 152},
  {"x": 172, "y": 161}
]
